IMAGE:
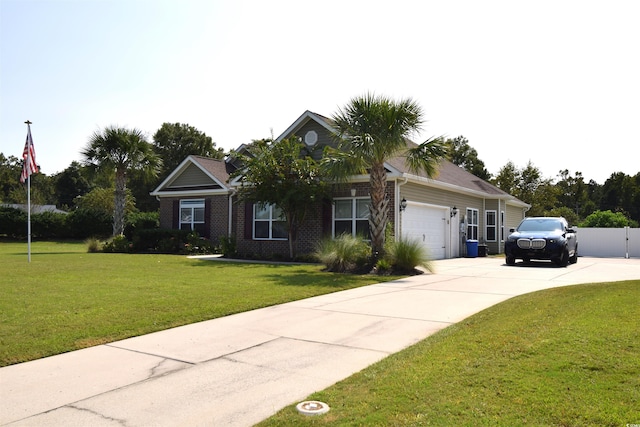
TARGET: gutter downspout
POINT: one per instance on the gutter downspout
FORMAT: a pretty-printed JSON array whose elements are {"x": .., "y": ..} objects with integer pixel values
[
  {"x": 499, "y": 225},
  {"x": 230, "y": 226},
  {"x": 396, "y": 227},
  {"x": 499, "y": 231}
]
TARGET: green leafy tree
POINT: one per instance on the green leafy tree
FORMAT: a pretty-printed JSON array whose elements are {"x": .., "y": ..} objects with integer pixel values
[
  {"x": 141, "y": 185},
  {"x": 173, "y": 142},
  {"x": 13, "y": 191},
  {"x": 10, "y": 169},
  {"x": 462, "y": 154},
  {"x": 573, "y": 193},
  {"x": 102, "y": 200},
  {"x": 119, "y": 150},
  {"x": 594, "y": 192},
  {"x": 634, "y": 210},
  {"x": 528, "y": 185},
  {"x": 70, "y": 184},
  {"x": 508, "y": 178},
  {"x": 543, "y": 199},
  {"x": 372, "y": 129},
  {"x": 566, "y": 212},
  {"x": 282, "y": 173},
  {"x": 42, "y": 191},
  {"x": 530, "y": 180},
  {"x": 619, "y": 194},
  {"x": 606, "y": 219}
]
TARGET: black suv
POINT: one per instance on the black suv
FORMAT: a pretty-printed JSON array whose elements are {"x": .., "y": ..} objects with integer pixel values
[{"x": 542, "y": 238}]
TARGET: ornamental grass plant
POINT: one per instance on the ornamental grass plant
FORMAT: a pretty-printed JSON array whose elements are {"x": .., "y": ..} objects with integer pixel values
[
  {"x": 407, "y": 254},
  {"x": 345, "y": 253}
]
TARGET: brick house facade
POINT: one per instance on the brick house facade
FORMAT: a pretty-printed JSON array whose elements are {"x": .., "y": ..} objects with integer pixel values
[{"x": 441, "y": 212}]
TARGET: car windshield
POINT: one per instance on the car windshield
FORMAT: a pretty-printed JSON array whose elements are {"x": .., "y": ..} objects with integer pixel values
[{"x": 541, "y": 225}]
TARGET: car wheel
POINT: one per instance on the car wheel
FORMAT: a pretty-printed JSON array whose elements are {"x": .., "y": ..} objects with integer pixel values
[
  {"x": 563, "y": 261},
  {"x": 511, "y": 260},
  {"x": 574, "y": 258}
]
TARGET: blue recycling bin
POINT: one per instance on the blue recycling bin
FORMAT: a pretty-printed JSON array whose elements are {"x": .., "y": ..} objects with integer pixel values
[{"x": 472, "y": 248}]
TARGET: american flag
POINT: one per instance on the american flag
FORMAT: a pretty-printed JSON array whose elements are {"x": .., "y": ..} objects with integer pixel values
[{"x": 29, "y": 156}]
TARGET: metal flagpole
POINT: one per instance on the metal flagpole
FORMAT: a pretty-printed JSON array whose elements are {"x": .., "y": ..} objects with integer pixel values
[{"x": 28, "y": 160}]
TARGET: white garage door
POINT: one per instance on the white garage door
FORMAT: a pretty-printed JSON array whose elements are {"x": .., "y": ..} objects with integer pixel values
[{"x": 427, "y": 225}]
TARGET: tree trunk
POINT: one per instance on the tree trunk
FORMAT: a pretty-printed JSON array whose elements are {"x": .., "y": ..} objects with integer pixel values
[
  {"x": 378, "y": 210},
  {"x": 119, "y": 202},
  {"x": 292, "y": 228}
]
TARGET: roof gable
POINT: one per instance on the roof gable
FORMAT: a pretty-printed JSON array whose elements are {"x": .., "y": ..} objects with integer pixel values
[
  {"x": 196, "y": 175},
  {"x": 307, "y": 116}
]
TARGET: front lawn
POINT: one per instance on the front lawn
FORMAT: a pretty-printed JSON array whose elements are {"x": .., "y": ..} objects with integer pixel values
[
  {"x": 67, "y": 299},
  {"x": 561, "y": 357}
]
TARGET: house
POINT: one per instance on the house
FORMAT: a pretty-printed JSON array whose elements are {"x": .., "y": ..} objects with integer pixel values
[{"x": 441, "y": 212}]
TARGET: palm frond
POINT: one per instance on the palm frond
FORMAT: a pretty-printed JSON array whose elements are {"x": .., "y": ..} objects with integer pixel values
[
  {"x": 375, "y": 127},
  {"x": 426, "y": 156},
  {"x": 339, "y": 165}
]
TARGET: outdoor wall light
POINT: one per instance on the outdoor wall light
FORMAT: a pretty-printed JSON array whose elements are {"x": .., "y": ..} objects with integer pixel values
[
  {"x": 454, "y": 212},
  {"x": 403, "y": 204},
  {"x": 353, "y": 192}
]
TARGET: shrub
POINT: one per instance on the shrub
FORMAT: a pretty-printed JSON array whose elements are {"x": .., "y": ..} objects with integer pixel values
[
  {"x": 228, "y": 246},
  {"x": 49, "y": 225},
  {"x": 196, "y": 245},
  {"x": 13, "y": 222},
  {"x": 344, "y": 253},
  {"x": 169, "y": 245},
  {"x": 93, "y": 245},
  {"x": 407, "y": 254},
  {"x": 83, "y": 223},
  {"x": 119, "y": 244},
  {"x": 384, "y": 266},
  {"x": 606, "y": 219},
  {"x": 160, "y": 240},
  {"x": 141, "y": 221}
]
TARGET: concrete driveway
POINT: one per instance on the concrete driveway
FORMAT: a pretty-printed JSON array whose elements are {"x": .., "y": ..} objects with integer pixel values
[{"x": 239, "y": 370}]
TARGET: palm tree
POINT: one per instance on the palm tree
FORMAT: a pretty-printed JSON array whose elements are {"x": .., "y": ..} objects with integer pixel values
[
  {"x": 372, "y": 130},
  {"x": 120, "y": 150}
]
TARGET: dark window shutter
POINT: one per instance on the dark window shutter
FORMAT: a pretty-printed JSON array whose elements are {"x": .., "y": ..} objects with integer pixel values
[
  {"x": 176, "y": 214},
  {"x": 207, "y": 219},
  {"x": 248, "y": 220}
]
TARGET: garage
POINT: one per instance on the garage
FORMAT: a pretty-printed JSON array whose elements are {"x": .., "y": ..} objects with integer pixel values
[{"x": 426, "y": 224}]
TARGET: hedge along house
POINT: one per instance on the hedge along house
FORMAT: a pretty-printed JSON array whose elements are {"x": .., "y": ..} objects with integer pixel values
[{"x": 441, "y": 212}]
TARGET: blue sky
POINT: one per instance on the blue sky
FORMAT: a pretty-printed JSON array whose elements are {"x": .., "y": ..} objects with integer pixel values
[{"x": 551, "y": 82}]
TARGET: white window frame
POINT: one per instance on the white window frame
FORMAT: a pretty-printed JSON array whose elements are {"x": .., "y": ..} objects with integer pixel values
[
  {"x": 189, "y": 209},
  {"x": 353, "y": 218},
  {"x": 270, "y": 219},
  {"x": 473, "y": 224},
  {"x": 502, "y": 226},
  {"x": 493, "y": 226}
]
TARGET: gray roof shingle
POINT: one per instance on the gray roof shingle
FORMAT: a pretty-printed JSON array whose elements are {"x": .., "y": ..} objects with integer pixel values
[{"x": 218, "y": 168}]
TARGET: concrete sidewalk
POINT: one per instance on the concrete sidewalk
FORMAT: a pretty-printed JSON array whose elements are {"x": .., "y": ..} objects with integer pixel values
[{"x": 240, "y": 369}]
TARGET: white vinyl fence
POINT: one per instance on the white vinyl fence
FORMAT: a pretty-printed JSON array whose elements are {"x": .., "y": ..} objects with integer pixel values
[{"x": 609, "y": 242}]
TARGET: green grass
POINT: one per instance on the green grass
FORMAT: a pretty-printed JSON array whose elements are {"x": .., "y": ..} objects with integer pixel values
[
  {"x": 67, "y": 299},
  {"x": 561, "y": 357}
]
